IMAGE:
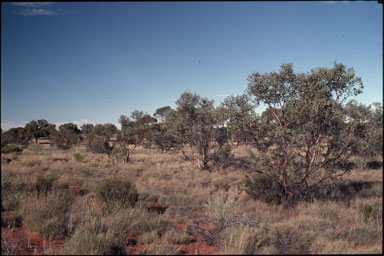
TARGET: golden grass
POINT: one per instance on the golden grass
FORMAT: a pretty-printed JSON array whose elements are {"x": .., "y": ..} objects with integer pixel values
[{"x": 196, "y": 198}]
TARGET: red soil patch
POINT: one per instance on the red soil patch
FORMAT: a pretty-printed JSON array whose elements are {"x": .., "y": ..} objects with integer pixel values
[
  {"x": 135, "y": 249},
  {"x": 241, "y": 192},
  {"x": 180, "y": 226},
  {"x": 197, "y": 248},
  {"x": 358, "y": 246},
  {"x": 20, "y": 241},
  {"x": 76, "y": 188}
]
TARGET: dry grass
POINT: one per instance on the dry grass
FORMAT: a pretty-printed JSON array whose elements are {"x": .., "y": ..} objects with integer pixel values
[{"x": 210, "y": 205}]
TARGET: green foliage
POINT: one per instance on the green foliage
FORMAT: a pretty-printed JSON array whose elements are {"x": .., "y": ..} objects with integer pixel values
[
  {"x": 86, "y": 128},
  {"x": 222, "y": 157},
  {"x": 368, "y": 127},
  {"x": 98, "y": 141},
  {"x": 19, "y": 136},
  {"x": 67, "y": 136},
  {"x": 238, "y": 114},
  {"x": 193, "y": 124},
  {"x": 39, "y": 129},
  {"x": 12, "y": 148},
  {"x": 113, "y": 194},
  {"x": 163, "y": 139},
  {"x": 12, "y": 192},
  {"x": 302, "y": 137},
  {"x": 265, "y": 188}
]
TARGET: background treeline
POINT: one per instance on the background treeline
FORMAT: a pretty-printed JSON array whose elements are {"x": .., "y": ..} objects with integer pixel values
[{"x": 304, "y": 138}]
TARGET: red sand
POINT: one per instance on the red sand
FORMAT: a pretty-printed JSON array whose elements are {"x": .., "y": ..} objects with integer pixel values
[{"x": 28, "y": 242}]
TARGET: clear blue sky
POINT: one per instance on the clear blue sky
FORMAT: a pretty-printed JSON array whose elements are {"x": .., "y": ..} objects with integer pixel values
[{"x": 96, "y": 61}]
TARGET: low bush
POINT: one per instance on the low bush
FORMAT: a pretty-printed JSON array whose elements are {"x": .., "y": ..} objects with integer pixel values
[
  {"x": 177, "y": 236},
  {"x": 48, "y": 215},
  {"x": 78, "y": 157},
  {"x": 12, "y": 148},
  {"x": 91, "y": 244},
  {"x": 148, "y": 237},
  {"x": 264, "y": 188},
  {"x": 222, "y": 157},
  {"x": 43, "y": 184},
  {"x": 371, "y": 211},
  {"x": 287, "y": 238},
  {"x": 246, "y": 240},
  {"x": 114, "y": 194}
]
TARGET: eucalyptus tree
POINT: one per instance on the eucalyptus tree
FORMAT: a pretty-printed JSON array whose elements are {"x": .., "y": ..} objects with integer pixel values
[
  {"x": 193, "y": 125},
  {"x": 99, "y": 140},
  {"x": 238, "y": 115},
  {"x": 303, "y": 138},
  {"x": 40, "y": 128},
  {"x": 67, "y": 136},
  {"x": 368, "y": 122}
]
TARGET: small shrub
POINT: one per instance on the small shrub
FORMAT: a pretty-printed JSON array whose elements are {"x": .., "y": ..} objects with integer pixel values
[
  {"x": 222, "y": 157},
  {"x": 113, "y": 194},
  {"x": 12, "y": 148},
  {"x": 32, "y": 163},
  {"x": 48, "y": 215},
  {"x": 176, "y": 236},
  {"x": 35, "y": 148},
  {"x": 286, "y": 238},
  {"x": 371, "y": 211},
  {"x": 374, "y": 164},
  {"x": 12, "y": 192},
  {"x": 11, "y": 220},
  {"x": 91, "y": 244},
  {"x": 246, "y": 240},
  {"x": 264, "y": 188},
  {"x": 160, "y": 249},
  {"x": 221, "y": 209},
  {"x": 148, "y": 237},
  {"x": 43, "y": 184},
  {"x": 78, "y": 157}
]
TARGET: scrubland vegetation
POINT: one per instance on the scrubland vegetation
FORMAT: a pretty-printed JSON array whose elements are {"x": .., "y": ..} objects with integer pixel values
[{"x": 304, "y": 177}]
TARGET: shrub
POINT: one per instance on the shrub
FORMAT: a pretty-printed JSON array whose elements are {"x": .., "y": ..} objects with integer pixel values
[
  {"x": 148, "y": 237},
  {"x": 12, "y": 192},
  {"x": 246, "y": 240},
  {"x": 286, "y": 238},
  {"x": 176, "y": 236},
  {"x": 11, "y": 148},
  {"x": 371, "y": 211},
  {"x": 264, "y": 188},
  {"x": 221, "y": 209},
  {"x": 78, "y": 157},
  {"x": 91, "y": 244},
  {"x": 48, "y": 215},
  {"x": 113, "y": 194},
  {"x": 222, "y": 157},
  {"x": 43, "y": 184}
]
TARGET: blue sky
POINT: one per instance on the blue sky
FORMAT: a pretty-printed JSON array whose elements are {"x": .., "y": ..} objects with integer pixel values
[{"x": 92, "y": 62}]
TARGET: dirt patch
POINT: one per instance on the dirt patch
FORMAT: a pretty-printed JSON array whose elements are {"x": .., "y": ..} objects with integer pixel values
[
  {"x": 197, "y": 248},
  {"x": 20, "y": 241},
  {"x": 156, "y": 207},
  {"x": 78, "y": 190},
  {"x": 360, "y": 246}
]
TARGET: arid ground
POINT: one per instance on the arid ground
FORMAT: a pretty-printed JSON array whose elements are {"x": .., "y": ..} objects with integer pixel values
[{"x": 49, "y": 206}]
